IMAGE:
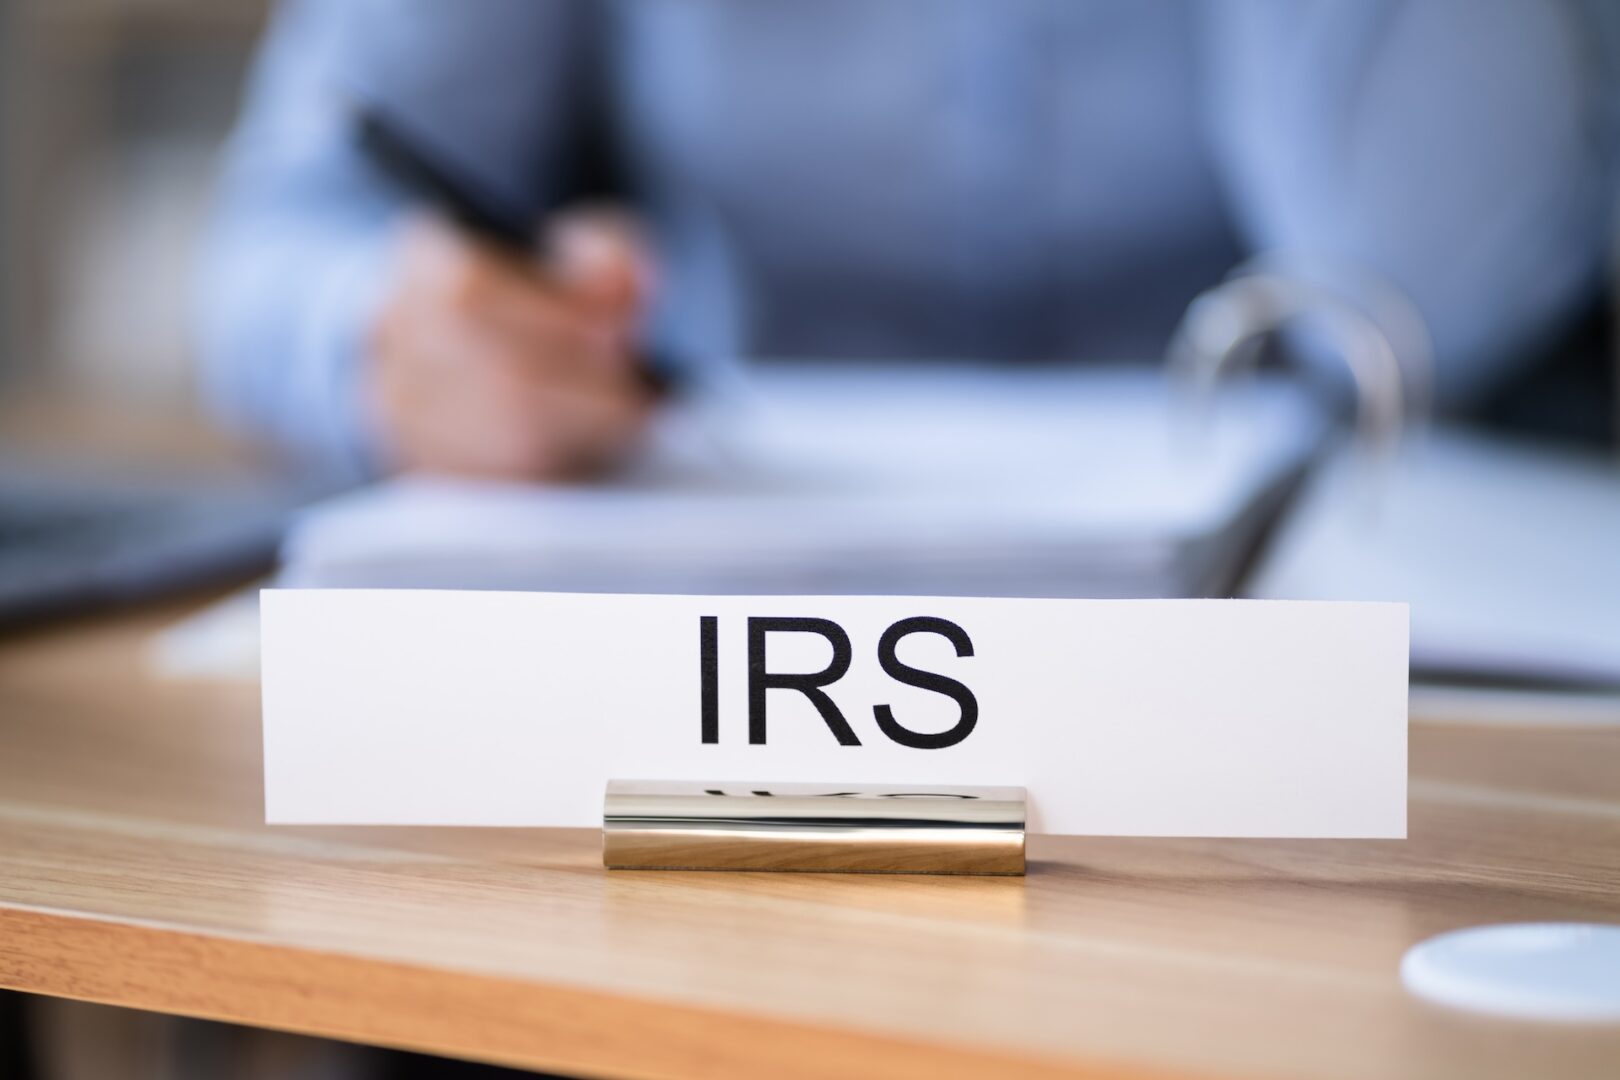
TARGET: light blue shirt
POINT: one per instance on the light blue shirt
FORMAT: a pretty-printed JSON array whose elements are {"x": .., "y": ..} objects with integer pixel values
[{"x": 1019, "y": 179}]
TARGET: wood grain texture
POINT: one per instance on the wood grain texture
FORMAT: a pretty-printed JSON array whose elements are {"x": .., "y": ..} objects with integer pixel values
[{"x": 135, "y": 869}]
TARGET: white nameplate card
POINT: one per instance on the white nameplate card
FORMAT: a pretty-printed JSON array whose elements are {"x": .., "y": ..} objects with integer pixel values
[{"x": 1120, "y": 717}]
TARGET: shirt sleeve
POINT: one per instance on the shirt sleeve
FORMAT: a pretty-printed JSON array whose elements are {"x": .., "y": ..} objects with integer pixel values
[
  {"x": 298, "y": 252},
  {"x": 1460, "y": 150}
]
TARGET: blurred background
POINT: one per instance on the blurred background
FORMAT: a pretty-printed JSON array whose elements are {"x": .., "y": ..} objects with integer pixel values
[{"x": 114, "y": 111}]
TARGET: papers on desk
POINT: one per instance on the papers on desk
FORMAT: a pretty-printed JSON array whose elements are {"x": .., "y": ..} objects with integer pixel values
[
  {"x": 1509, "y": 555},
  {"x": 920, "y": 480}
]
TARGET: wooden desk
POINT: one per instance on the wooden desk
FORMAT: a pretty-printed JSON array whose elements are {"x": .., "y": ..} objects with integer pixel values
[{"x": 134, "y": 870}]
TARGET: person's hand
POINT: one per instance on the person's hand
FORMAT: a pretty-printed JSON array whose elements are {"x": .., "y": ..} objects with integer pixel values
[{"x": 481, "y": 364}]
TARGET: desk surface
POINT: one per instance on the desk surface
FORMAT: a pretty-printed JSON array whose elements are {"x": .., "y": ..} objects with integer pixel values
[{"x": 135, "y": 870}]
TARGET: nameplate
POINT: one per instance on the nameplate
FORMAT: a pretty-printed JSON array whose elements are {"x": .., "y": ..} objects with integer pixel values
[{"x": 1120, "y": 717}]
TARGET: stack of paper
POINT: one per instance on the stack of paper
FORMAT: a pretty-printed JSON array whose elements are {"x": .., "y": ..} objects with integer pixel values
[
  {"x": 1509, "y": 555},
  {"x": 959, "y": 481}
]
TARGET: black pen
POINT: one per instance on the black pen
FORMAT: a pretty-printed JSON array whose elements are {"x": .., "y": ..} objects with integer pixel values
[{"x": 471, "y": 206}]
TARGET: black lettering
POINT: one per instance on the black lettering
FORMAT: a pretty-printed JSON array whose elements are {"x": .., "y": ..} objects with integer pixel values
[
  {"x": 709, "y": 667},
  {"x": 760, "y": 680},
  {"x": 926, "y": 680}
]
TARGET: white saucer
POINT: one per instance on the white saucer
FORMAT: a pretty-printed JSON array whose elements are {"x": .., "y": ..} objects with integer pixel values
[{"x": 1537, "y": 971}]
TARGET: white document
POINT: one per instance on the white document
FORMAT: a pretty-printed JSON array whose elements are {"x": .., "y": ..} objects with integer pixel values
[
  {"x": 1149, "y": 717},
  {"x": 872, "y": 480},
  {"x": 1509, "y": 555}
]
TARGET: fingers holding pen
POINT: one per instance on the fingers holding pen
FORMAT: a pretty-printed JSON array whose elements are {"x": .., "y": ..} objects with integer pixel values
[{"x": 480, "y": 363}]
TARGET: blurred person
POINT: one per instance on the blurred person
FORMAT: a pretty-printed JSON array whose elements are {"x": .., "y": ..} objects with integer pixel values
[{"x": 1017, "y": 180}]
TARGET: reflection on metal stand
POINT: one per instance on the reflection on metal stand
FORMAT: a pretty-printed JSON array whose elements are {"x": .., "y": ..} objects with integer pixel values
[{"x": 858, "y": 828}]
